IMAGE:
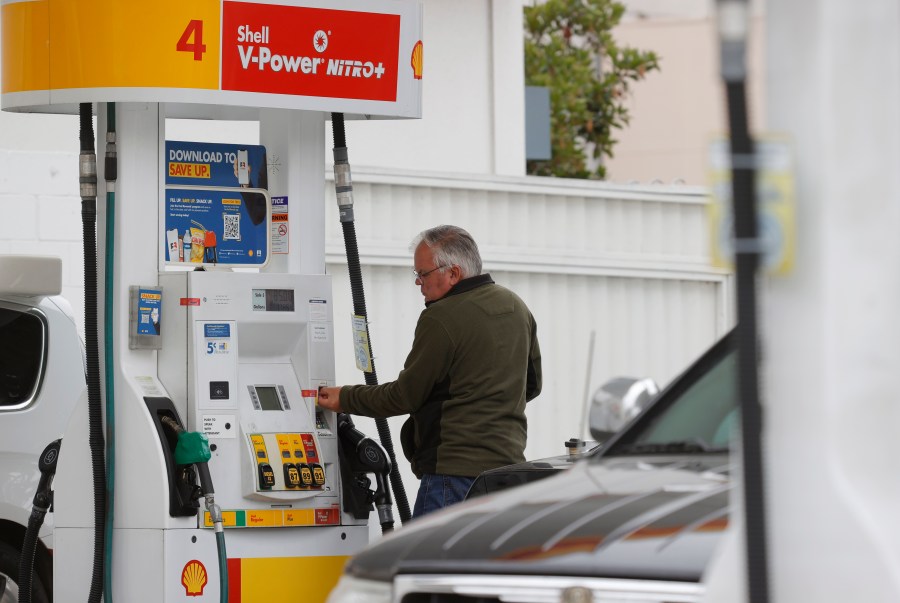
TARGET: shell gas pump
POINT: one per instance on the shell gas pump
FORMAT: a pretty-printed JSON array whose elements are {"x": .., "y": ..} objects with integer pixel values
[{"x": 217, "y": 312}]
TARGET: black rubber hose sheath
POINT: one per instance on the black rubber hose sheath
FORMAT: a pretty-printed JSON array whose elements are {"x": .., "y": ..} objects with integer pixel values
[
  {"x": 95, "y": 408},
  {"x": 359, "y": 309},
  {"x": 746, "y": 264},
  {"x": 29, "y": 548}
]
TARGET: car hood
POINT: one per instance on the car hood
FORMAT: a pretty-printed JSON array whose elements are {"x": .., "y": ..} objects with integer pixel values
[{"x": 619, "y": 517}]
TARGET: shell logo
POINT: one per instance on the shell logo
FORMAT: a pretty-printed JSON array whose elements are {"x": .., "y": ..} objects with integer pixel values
[
  {"x": 320, "y": 41},
  {"x": 194, "y": 578},
  {"x": 416, "y": 60}
]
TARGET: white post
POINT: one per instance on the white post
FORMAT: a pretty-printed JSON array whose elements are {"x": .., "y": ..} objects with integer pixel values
[
  {"x": 829, "y": 342},
  {"x": 508, "y": 86},
  {"x": 295, "y": 148}
]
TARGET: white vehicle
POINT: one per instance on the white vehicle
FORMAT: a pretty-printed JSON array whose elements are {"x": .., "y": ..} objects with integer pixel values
[{"x": 41, "y": 380}]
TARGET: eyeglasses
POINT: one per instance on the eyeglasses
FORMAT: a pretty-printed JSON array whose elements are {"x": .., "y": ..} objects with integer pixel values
[{"x": 421, "y": 275}]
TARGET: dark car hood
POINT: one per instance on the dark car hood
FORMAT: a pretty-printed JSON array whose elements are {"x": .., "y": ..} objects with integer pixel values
[{"x": 620, "y": 517}]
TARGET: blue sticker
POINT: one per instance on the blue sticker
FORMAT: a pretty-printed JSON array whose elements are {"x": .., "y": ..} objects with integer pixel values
[
  {"x": 216, "y": 330},
  {"x": 149, "y": 311}
]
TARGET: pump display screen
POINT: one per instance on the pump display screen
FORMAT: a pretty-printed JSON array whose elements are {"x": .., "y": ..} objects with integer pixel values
[
  {"x": 268, "y": 398},
  {"x": 273, "y": 300}
]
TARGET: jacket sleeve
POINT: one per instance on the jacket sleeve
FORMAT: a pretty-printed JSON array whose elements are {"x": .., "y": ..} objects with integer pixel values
[
  {"x": 428, "y": 363},
  {"x": 535, "y": 379}
]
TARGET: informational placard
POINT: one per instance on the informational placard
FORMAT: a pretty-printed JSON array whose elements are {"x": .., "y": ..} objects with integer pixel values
[
  {"x": 281, "y": 241},
  {"x": 217, "y": 211},
  {"x": 149, "y": 311},
  {"x": 145, "y": 318},
  {"x": 361, "y": 344},
  {"x": 776, "y": 205}
]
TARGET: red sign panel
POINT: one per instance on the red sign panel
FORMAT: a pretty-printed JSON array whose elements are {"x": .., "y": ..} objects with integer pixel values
[
  {"x": 327, "y": 517},
  {"x": 309, "y": 51},
  {"x": 310, "y": 444}
]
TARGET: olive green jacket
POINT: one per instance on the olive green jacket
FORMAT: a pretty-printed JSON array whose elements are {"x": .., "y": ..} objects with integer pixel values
[{"x": 474, "y": 363}]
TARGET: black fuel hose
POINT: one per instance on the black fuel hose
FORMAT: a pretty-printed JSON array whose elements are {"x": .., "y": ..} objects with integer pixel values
[
  {"x": 87, "y": 173},
  {"x": 343, "y": 189},
  {"x": 29, "y": 548},
  {"x": 746, "y": 266},
  {"x": 733, "y": 25}
]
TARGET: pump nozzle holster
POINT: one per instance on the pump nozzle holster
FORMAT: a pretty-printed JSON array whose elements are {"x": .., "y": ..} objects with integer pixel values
[
  {"x": 367, "y": 456},
  {"x": 43, "y": 498}
]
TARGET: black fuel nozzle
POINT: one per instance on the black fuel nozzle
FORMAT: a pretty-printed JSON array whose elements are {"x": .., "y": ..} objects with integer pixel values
[
  {"x": 383, "y": 502},
  {"x": 43, "y": 498},
  {"x": 371, "y": 458}
]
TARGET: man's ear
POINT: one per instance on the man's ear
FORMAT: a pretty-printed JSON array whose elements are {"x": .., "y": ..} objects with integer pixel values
[{"x": 455, "y": 274}]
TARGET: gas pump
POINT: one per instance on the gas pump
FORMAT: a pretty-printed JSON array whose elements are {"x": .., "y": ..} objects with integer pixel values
[
  {"x": 231, "y": 343},
  {"x": 251, "y": 387}
]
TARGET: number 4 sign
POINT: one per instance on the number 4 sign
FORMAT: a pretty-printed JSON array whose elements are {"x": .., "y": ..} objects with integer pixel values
[{"x": 192, "y": 40}]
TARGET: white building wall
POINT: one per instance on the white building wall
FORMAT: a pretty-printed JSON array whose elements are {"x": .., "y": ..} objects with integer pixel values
[
  {"x": 40, "y": 213},
  {"x": 473, "y": 96},
  {"x": 677, "y": 110}
]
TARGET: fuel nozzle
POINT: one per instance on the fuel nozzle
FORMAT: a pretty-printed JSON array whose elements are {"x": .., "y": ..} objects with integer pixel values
[
  {"x": 371, "y": 458},
  {"x": 43, "y": 498},
  {"x": 193, "y": 449}
]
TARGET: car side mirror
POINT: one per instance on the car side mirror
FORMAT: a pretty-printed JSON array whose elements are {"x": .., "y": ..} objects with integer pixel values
[{"x": 617, "y": 402}]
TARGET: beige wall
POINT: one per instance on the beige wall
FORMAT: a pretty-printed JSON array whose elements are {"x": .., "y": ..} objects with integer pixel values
[{"x": 677, "y": 110}]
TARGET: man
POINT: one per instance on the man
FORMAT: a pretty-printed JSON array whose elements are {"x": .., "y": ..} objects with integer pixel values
[{"x": 474, "y": 363}]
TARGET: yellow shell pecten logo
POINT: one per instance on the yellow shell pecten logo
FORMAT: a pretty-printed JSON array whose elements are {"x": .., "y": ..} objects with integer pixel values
[
  {"x": 416, "y": 60},
  {"x": 194, "y": 578}
]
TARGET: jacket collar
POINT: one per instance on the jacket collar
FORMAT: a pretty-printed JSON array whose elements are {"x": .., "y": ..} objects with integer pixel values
[{"x": 464, "y": 286}]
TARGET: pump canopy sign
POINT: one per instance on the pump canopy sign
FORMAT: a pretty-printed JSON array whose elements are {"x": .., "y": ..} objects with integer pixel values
[
  {"x": 309, "y": 51},
  {"x": 350, "y": 56}
]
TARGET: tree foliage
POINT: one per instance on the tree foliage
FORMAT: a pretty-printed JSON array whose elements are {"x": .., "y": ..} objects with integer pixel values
[{"x": 569, "y": 48}]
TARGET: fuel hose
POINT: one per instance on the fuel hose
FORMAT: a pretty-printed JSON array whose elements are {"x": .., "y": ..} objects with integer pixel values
[
  {"x": 110, "y": 174},
  {"x": 192, "y": 448},
  {"x": 87, "y": 176},
  {"x": 733, "y": 25},
  {"x": 344, "y": 191}
]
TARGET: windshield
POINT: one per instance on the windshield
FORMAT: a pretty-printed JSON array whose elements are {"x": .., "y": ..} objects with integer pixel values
[{"x": 700, "y": 418}]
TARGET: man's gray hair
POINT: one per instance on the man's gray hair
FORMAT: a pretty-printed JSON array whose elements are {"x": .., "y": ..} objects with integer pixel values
[{"x": 451, "y": 246}]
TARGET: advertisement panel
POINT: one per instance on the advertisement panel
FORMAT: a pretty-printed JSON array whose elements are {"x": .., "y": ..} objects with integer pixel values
[{"x": 217, "y": 208}]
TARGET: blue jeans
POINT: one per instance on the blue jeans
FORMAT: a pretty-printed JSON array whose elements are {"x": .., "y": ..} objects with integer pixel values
[{"x": 439, "y": 491}]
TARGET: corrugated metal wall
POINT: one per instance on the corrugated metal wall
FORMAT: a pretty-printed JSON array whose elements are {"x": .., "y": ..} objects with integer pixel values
[{"x": 629, "y": 265}]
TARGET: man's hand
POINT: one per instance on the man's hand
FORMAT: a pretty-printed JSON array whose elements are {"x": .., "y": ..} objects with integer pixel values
[{"x": 330, "y": 398}]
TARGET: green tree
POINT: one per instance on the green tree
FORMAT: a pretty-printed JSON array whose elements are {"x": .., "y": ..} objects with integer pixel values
[{"x": 569, "y": 48}]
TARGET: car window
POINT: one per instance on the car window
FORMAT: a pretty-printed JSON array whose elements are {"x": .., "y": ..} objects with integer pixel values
[
  {"x": 704, "y": 413},
  {"x": 21, "y": 357}
]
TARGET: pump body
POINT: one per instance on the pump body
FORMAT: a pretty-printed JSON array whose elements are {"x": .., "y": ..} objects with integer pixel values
[{"x": 228, "y": 345}]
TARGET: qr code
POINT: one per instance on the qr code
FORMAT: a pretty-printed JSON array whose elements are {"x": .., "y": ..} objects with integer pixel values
[{"x": 231, "y": 230}]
